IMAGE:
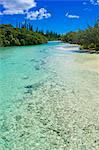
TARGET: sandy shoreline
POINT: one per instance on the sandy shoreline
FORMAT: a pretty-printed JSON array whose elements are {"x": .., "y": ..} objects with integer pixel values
[
  {"x": 90, "y": 64},
  {"x": 69, "y": 47}
]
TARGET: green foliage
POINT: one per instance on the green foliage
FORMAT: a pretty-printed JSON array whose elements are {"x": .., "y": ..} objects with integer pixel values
[
  {"x": 51, "y": 36},
  {"x": 10, "y": 36},
  {"x": 24, "y": 34},
  {"x": 88, "y": 39}
]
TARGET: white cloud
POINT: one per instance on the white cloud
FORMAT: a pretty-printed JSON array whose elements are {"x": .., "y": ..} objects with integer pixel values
[
  {"x": 94, "y": 2},
  {"x": 12, "y": 7},
  {"x": 16, "y": 6},
  {"x": 38, "y": 14},
  {"x": 72, "y": 16}
]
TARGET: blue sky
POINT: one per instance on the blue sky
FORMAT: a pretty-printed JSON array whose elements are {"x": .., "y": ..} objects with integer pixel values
[{"x": 58, "y": 15}]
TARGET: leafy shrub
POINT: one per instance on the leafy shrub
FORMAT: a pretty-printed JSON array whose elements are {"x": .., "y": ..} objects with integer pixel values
[
  {"x": 10, "y": 36},
  {"x": 88, "y": 39}
]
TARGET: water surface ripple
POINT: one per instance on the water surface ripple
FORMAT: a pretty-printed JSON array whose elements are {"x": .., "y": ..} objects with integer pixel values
[{"x": 49, "y": 98}]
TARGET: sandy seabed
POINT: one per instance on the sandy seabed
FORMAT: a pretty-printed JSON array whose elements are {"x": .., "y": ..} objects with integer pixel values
[{"x": 60, "y": 112}]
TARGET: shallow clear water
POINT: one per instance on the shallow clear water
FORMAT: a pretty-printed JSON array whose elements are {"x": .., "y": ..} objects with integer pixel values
[{"x": 49, "y": 98}]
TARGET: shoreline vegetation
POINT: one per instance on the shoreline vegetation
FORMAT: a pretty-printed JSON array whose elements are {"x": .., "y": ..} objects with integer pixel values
[
  {"x": 23, "y": 35},
  {"x": 87, "y": 39}
]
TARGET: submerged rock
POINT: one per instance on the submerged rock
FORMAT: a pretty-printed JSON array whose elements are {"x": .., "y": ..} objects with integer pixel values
[
  {"x": 18, "y": 118},
  {"x": 34, "y": 60},
  {"x": 37, "y": 67},
  {"x": 26, "y": 77},
  {"x": 29, "y": 86},
  {"x": 33, "y": 87}
]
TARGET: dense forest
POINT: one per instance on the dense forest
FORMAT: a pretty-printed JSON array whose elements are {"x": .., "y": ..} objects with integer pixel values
[
  {"x": 23, "y": 34},
  {"x": 88, "y": 39}
]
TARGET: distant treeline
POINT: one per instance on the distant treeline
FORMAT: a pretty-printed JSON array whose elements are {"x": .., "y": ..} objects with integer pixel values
[
  {"x": 88, "y": 39},
  {"x": 24, "y": 34}
]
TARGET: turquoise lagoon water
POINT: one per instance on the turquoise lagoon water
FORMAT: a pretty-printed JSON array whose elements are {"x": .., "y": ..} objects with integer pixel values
[{"x": 49, "y": 98}]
